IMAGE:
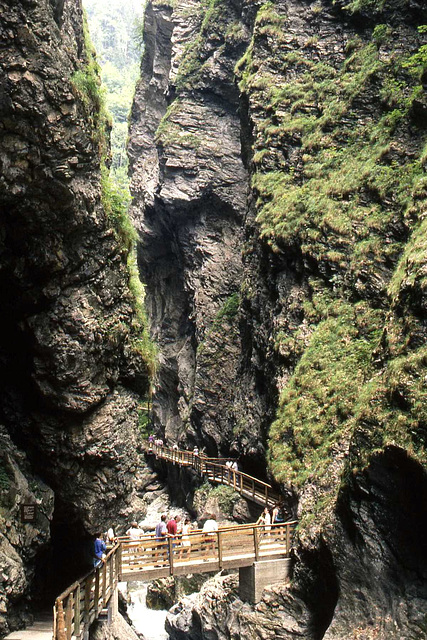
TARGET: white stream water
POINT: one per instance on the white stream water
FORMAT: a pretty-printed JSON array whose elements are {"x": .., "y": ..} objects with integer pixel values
[{"x": 149, "y": 622}]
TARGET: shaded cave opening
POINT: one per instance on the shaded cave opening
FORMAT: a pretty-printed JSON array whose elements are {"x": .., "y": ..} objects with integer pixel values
[{"x": 67, "y": 558}]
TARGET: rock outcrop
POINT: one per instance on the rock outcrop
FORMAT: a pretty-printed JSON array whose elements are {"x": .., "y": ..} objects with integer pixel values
[
  {"x": 188, "y": 176},
  {"x": 68, "y": 397},
  {"x": 312, "y": 334}
]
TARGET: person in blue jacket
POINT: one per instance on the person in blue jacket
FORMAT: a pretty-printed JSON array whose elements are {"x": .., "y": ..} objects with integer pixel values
[{"x": 99, "y": 550}]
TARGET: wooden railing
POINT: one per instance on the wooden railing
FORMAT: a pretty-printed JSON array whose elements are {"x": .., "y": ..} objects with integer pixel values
[
  {"x": 230, "y": 547},
  {"x": 212, "y": 468},
  {"x": 77, "y": 607}
]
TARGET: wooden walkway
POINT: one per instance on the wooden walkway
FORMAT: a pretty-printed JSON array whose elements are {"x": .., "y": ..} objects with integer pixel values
[
  {"x": 146, "y": 559},
  {"x": 215, "y": 470},
  {"x": 227, "y": 548}
]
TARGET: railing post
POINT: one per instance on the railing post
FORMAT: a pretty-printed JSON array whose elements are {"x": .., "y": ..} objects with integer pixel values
[
  {"x": 60, "y": 625},
  {"x": 119, "y": 563},
  {"x": 96, "y": 594},
  {"x": 266, "y": 495},
  {"x": 69, "y": 615},
  {"x": 253, "y": 488},
  {"x": 104, "y": 584},
  {"x": 288, "y": 539},
  {"x": 111, "y": 566},
  {"x": 77, "y": 612},
  {"x": 219, "y": 549},
  {"x": 86, "y": 612},
  {"x": 170, "y": 550},
  {"x": 241, "y": 483},
  {"x": 256, "y": 543}
]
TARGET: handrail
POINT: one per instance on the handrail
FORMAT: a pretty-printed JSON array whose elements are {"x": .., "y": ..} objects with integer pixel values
[
  {"x": 81, "y": 603},
  {"x": 198, "y": 551},
  {"x": 256, "y": 490}
]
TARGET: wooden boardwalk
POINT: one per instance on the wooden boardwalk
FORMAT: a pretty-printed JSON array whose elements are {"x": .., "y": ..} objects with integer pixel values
[
  {"x": 215, "y": 470},
  {"x": 227, "y": 548},
  {"x": 146, "y": 559}
]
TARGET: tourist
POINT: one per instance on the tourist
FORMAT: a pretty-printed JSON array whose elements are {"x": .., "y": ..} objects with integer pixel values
[
  {"x": 161, "y": 536},
  {"x": 110, "y": 537},
  {"x": 196, "y": 450},
  {"x": 134, "y": 532},
  {"x": 265, "y": 519},
  {"x": 209, "y": 530},
  {"x": 173, "y": 527},
  {"x": 278, "y": 515},
  {"x": 186, "y": 542},
  {"x": 99, "y": 550}
]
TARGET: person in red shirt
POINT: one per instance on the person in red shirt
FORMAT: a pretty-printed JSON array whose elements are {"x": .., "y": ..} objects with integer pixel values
[{"x": 172, "y": 526}]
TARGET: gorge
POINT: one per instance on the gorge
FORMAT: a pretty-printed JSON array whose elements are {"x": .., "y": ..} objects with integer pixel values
[{"x": 277, "y": 159}]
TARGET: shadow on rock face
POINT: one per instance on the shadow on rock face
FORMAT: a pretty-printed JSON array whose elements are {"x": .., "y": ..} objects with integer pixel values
[{"x": 381, "y": 557}]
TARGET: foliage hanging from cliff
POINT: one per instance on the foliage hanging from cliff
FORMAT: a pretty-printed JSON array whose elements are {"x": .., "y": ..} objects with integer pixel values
[
  {"x": 340, "y": 179},
  {"x": 314, "y": 417},
  {"x": 87, "y": 85},
  {"x": 114, "y": 27}
]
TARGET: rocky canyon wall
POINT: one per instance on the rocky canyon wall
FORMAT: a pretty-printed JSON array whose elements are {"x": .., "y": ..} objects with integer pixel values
[
  {"x": 70, "y": 377},
  {"x": 278, "y": 158}
]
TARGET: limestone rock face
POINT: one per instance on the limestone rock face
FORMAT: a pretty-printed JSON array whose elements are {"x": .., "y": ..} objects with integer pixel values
[
  {"x": 189, "y": 187},
  {"x": 19, "y": 541},
  {"x": 68, "y": 397},
  {"x": 217, "y": 612}
]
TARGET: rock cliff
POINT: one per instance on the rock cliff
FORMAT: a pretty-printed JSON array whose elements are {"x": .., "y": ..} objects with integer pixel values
[
  {"x": 278, "y": 158},
  {"x": 70, "y": 377}
]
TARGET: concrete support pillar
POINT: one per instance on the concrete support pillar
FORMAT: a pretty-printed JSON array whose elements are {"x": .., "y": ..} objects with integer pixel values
[{"x": 254, "y": 579}]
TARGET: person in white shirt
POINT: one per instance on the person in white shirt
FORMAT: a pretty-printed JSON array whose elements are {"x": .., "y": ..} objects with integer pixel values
[
  {"x": 209, "y": 529},
  {"x": 134, "y": 532}
]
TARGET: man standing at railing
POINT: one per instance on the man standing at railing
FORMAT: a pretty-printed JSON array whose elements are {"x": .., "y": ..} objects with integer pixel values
[
  {"x": 100, "y": 549},
  {"x": 161, "y": 535}
]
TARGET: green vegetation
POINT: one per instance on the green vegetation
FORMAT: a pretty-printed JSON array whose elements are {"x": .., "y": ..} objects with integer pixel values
[
  {"x": 217, "y": 27},
  {"x": 86, "y": 84},
  {"x": 349, "y": 169},
  {"x": 336, "y": 188},
  {"x": 365, "y": 5},
  {"x": 314, "y": 416},
  {"x": 114, "y": 41},
  {"x": 171, "y": 130},
  {"x": 418, "y": 62},
  {"x": 224, "y": 496},
  {"x": 224, "y": 322},
  {"x": 116, "y": 31}
]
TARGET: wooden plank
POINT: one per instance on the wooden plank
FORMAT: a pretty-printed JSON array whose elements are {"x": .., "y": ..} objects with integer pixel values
[
  {"x": 104, "y": 585},
  {"x": 88, "y": 598},
  {"x": 69, "y": 616},
  {"x": 170, "y": 552},
  {"x": 77, "y": 611},
  {"x": 96, "y": 596},
  {"x": 219, "y": 549}
]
